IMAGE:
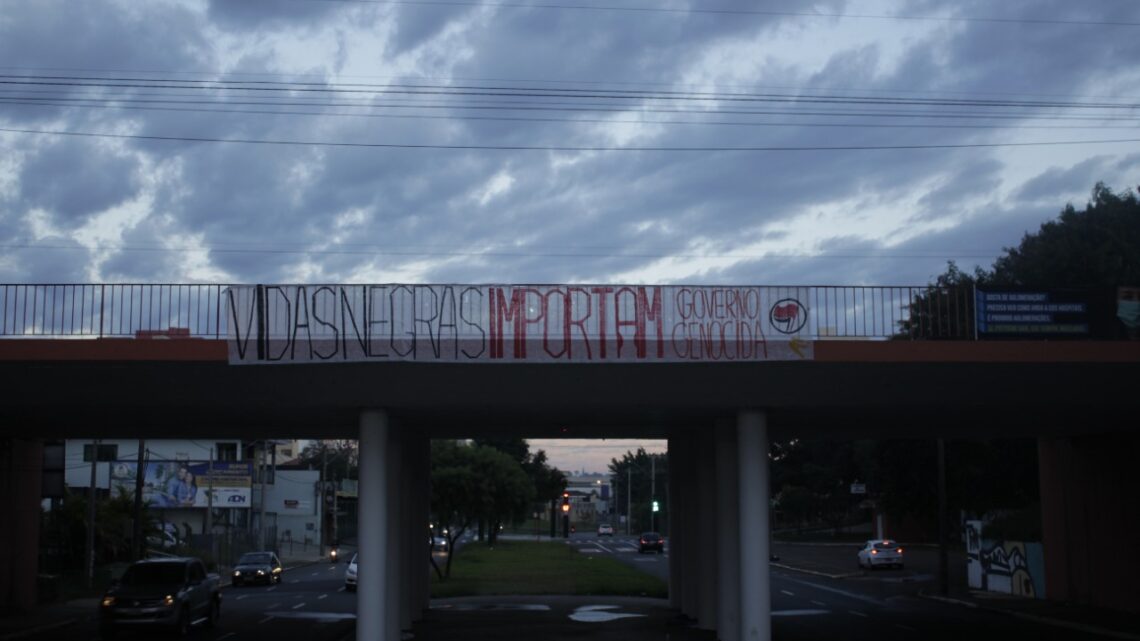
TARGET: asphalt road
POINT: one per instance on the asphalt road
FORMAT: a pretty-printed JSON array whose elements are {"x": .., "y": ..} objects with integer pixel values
[{"x": 311, "y": 605}]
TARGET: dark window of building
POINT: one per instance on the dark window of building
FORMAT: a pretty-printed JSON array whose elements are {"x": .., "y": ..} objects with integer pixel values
[
  {"x": 226, "y": 451},
  {"x": 106, "y": 452}
]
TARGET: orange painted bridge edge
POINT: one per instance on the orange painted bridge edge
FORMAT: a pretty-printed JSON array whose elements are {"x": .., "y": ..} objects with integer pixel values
[{"x": 829, "y": 351}]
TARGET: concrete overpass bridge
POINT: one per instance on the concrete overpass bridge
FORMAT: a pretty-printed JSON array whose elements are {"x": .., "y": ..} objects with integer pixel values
[{"x": 718, "y": 371}]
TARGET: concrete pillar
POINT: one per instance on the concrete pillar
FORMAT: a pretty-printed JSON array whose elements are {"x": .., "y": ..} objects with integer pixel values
[
  {"x": 396, "y": 558},
  {"x": 755, "y": 582},
  {"x": 676, "y": 518},
  {"x": 406, "y": 496},
  {"x": 728, "y": 534},
  {"x": 422, "y": 484},
  {"x": 690, "y": 557},
  {"x": 372, "y": 587},
  {"x": 21, "y": 468},
  {"x": 706, "y": 553}
]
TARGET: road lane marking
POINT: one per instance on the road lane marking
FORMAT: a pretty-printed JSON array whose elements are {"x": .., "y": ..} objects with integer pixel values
[
  {"x": 239, "y": 598},
  {"x": 265, "y": 620},
  {"x": 226, "y": 636},
  {"x": 314, "y": 574},
  {"x": 299, "y": 605},
  {"x": 897, "y": 625},
  {"x": 272, "y": 589},
  {"x": 857, "y": 613},
  {"x": 850, "y": 595},
  {"x": 787, "y": 593},
  {"x": 819, "y": 603},
  {"x": 321, "y": 597},
  {"x": 342, "y": 589}
]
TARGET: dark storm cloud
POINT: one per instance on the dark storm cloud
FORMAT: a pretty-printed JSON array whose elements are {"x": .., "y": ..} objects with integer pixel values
[
  {"x": 265, "y": 211},
  {"x": 260, "y": 14},
  {"x": 1058, "y": 182},
  {"x": 73, "y": 179}
]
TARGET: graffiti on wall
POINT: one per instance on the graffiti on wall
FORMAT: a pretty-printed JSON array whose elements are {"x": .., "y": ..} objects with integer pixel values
[{"x": 1008, "y": 567}]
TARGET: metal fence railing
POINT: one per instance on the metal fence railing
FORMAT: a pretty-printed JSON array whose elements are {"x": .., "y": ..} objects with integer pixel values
[{"x": 199, "y": 311}]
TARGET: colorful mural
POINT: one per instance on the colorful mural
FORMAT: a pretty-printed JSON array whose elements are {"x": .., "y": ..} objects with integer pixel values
[{"x": 1008, "y": 567}]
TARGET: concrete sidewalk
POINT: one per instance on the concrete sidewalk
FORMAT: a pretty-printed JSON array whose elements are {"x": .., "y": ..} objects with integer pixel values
[{"x": 1082, "y": 618}]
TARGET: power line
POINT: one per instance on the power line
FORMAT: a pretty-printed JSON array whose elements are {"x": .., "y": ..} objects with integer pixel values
[
  {"x": 565, "y": 148},
  {"x": 108, "y": 104},
  {"x": 543, "y": 106},
  {"x": 732, "y": 12},
  {"x": 534, "y": 92},
  {"x": 452, "y": 79},
  {"x": 491, "y": 254}
]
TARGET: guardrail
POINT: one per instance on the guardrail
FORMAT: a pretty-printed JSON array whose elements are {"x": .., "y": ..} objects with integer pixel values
[{"x": 197, "y": 311}]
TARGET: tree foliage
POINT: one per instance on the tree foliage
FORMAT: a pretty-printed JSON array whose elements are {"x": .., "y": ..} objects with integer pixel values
[
  {"x": 634, "y": 471},
  {"x": 1097, "y": 248},
  {"x": 472, "y": 482}
]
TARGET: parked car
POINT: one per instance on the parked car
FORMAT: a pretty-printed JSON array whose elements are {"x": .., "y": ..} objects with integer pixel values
[
  {"x": 880, "y": 552},
  {"x": 257, "y": 567},
  {"x": 350, "y": 575},
  {"x": 605, "y": 529},
  {"x": 652, "y": 542},
  {"x": 171, "y": 593}
]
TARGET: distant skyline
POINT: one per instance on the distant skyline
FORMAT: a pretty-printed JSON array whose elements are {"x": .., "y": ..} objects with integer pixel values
[{"x": 591, "y": 455}]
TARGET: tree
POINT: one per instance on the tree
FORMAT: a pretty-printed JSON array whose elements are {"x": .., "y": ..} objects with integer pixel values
[
  {"x": 471, "y": 483},
  {"x": 633, "y": 471},
  {"x": 1097, "y": 248},
  {"x": 339, "y": 455}
]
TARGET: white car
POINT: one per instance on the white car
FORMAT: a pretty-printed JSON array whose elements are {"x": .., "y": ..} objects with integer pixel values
[
  {"x": 350, "y": 576},
  {"x": 880, "y": 552},
  {"x": 605, "y": 529}
]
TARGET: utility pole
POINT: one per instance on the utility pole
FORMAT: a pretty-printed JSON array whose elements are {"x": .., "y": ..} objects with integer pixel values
[
  {"x": 652, "y": 492},
  {"x": 628, "y": 497},
  {"x": 91, "y": 516},
  {"x": 943, "y": 560},
  {"x": 324, "y": 489},
  {"x": 261, "y": 516},
  {"x": 210, "y": 500},
  {"x": 137, "y": 530}
]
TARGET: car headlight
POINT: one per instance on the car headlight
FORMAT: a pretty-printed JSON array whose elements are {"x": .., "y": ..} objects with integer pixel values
[
  {"x": 169, "y": 600},
  {"x": 237, "y": 572},
  {"x": 108, "y": 601},
  {"x": 261, "y": 573}
]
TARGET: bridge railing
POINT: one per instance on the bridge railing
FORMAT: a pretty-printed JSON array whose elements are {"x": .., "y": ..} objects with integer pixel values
[{"x": 198, "y": 311}]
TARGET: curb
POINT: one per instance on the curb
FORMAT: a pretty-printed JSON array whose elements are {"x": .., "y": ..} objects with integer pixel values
[
  {"x": 1058, "y": 623},
  {"x": 816, "y": 573},
  {"x": 47, "y": 627}
]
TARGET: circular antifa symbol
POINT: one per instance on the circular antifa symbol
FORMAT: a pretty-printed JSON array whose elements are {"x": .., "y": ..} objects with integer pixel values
[{"x": 788, "y": 316}]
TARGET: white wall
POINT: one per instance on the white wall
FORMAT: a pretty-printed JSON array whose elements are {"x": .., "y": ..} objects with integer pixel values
[
  {"x": 78, "y": 472},
  {"x": 294, "y": 485}
]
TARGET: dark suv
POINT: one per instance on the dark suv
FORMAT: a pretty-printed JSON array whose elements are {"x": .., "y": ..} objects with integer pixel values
[{"x": 651, "y": 542}]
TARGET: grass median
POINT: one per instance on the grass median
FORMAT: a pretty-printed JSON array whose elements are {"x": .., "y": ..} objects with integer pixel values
[{"x": 525, "y": 567}]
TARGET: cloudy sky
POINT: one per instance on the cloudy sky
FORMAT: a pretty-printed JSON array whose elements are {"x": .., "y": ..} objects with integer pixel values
[{"x": 649, "y": 141}]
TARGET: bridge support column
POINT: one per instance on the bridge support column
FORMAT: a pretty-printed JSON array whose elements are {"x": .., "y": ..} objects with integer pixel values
[
  {"x": 706, "y": 519},
  {"x": 728, "y": 534},
  {"x": 20, "y": 488},
  {"x": 676, "y": 518},
  {"x": 396, "y": 528},
  {"x": 422, "y": 483},
  {"x": 373, "y": 582},
  {"x": 691, "y": 525},
  {"x": 755, "y": 583}
]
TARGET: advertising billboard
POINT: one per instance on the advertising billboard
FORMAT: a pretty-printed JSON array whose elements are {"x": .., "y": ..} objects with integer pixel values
[{"x": 188, "y": 484}]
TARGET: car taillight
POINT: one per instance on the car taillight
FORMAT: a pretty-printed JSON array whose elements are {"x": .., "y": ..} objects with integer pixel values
[
  {"x": 899, "y": 550},
  {"x": 874, "y": 551},
  {"x": 643, "y": 541}
]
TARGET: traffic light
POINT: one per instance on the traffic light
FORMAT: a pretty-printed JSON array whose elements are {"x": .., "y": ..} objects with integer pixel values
[
  {"x": 656, "y": 507},
  {"x": 565, "y": 502}
]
